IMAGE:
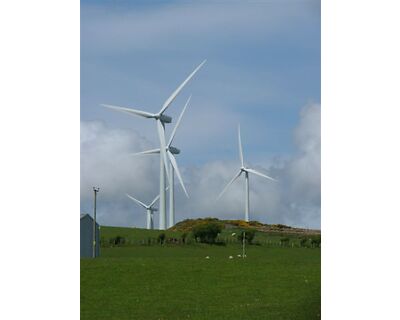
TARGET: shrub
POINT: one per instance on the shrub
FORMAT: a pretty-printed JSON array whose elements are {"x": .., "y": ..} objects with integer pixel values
[
  {"x": 254, "y": 223},
  {"x": 183, "y": 237},
  {"x": 279, "y": 226},
  {"x": 117, "y": 241},
  {"x": 249, "y": 235},
  {"x": 284, "y": 242},
  {"x": 316, "y": 241},
  {"x": 239, "y": 223},
  {"x": 161, "y": 238},
  {"x": 303, "y": 242},
  {"x": 207, "y": 232},
  {"x": 172, "y": 240}
]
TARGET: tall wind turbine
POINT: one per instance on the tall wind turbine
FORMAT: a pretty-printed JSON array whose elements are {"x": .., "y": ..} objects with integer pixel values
[
  {"x": 161, "y": 119},
  {"x": 246, "y": 170},
  {"x": 149, "y": 209},
  {"x": 173, "y": 167}
]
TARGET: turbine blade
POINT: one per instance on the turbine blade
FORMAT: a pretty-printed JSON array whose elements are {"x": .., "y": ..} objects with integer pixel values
[
  {"x": 176, "y": 92},
  {"x": 130, "y": 111},
  {"x": 178, "y": 122},
  {"x": 152, "y": 151},
  {"x": 137, "y": 201},
  {"x": 240, "y": 147},
  {"x": 230, "y": 182},
  {"x": 154, "y": 201},
  {"x": 156, "y": 198},
  {"x": 260, "y": 174},
  {"x": 175, "y": 165},
  {"x": 163, "y": 154}
]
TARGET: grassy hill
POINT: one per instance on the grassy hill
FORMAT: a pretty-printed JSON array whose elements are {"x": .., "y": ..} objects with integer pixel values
[
  {"x": 188, "y": 224},
  {"x": 270, "y": 235}
]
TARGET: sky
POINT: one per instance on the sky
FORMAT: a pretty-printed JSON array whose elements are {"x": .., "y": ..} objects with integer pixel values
[{"x": 262, "y": 71}]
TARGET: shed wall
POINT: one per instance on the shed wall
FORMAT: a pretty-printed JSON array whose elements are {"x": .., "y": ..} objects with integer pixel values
[{"x": 87, "y": 237}]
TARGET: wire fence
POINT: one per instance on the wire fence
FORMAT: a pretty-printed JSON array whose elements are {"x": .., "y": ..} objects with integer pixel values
[{"x": 276, "y": 243}]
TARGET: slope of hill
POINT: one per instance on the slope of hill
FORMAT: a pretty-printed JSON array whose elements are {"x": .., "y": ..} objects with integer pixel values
[{"x": 188, "y": 224}]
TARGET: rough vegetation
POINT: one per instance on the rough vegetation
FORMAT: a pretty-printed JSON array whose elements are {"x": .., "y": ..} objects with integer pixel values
[
  {"x": 247, "y": 234},
  {"x": 188, "y": 224},
  {"x": 207, "y": 232}
]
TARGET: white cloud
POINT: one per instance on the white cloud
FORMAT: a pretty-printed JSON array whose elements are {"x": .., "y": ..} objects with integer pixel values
[
  {"x": 106, "y": 162},
  {"x": 301, "y": 175},
  {"x": 295, "y": 200}
]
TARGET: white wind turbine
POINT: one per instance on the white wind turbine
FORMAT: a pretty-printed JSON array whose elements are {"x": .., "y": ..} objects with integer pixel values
[
  {"x": 149, "y": 209},
  {"x": 161, "y": 119},
  {"x": 173, "y": 167},
  {"x": 246, "y": 171}
]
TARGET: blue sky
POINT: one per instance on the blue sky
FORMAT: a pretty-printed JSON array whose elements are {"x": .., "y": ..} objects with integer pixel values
[{"x": 263, "y": 68}]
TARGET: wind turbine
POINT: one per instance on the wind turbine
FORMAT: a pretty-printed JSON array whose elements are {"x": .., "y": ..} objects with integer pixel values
[
  {"x": 173, "y": 167},
  {"x": 149, "y": 208},
  {"x": 161, "y": 119},
  {"x": 246, "y": 170}
]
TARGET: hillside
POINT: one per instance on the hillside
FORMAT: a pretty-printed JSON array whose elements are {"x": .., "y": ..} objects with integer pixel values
[{"x": 188, "y": 224}]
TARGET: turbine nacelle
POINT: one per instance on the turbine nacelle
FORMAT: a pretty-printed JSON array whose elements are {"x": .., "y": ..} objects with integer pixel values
[
  {"x": 165, "y": 153},
  {"x": 163, "y": 118},
  {"x": 247, "y": 171},
  {"x": 174, "y": 150},
  {"x": 167, "y": 150},
  {"x": 170, "y": 149}
]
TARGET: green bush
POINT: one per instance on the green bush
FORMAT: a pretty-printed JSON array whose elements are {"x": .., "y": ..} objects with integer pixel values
[
  {"x": 284, "y": 242},
  {"x": 316, "y": 241},
  {"x": 249, "y": 235},
  {"x": 161, "y": 238},
  {"x": 303, "y": 242},
  {"x": 117, "y": 241},
  {"x": 184, "y": 237},
  {"x": 310, "y": 241},
  {"x": 207, "y": 232}
]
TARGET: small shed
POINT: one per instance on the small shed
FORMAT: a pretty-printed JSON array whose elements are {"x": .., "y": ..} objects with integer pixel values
[{"x": 87, "y": 236}]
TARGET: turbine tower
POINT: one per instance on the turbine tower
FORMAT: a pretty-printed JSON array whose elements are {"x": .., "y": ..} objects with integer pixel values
[
  {"x": 161, "y": 119},
  {"x": 246, "y": 170},
  {"x": 173, "y": 167},
  {"x": 149, "y": 209}
]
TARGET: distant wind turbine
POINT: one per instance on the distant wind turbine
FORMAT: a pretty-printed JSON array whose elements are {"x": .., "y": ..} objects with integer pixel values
[
  {"x": 161, "y": 119},
  {"x": 149, "y": 209},
  {"x": 173, "y": 167},
  {"x": 246, "y": 171}
]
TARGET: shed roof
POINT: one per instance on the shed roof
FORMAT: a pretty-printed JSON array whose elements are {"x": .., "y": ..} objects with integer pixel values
[{"x": 85, "y": 214}]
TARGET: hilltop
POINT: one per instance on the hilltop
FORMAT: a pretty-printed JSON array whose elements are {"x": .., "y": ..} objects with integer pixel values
[{"x": 188, "y": 224}]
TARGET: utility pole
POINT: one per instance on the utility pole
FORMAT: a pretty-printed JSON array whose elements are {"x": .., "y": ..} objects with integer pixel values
[
  {"x": 162, "y": 201},
  {"x": 95, "y": 189},
  {"x": 171, "y": 221},
  {"x": 244, "y": 241}
]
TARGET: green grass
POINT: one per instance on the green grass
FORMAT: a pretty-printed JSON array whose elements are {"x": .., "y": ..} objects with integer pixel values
[{"x": 177, "y": 282}]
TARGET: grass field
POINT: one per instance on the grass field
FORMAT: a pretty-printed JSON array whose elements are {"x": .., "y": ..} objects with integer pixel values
[{"x": 177, "y": 282}]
